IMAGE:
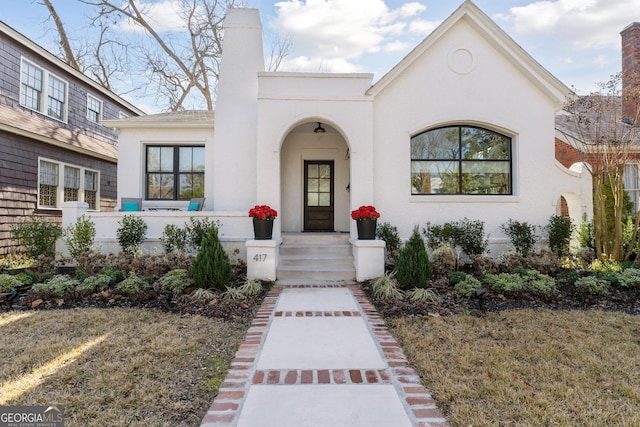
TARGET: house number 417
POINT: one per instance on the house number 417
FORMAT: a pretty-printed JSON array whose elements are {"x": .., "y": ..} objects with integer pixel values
[{"x": 260, "y": 257}]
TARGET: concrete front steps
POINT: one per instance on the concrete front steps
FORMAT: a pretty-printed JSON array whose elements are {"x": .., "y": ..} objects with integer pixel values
[{"x": 315, "y": 258}]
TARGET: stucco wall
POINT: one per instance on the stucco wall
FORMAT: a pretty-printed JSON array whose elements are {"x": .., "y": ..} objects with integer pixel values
[
  {"x": 131, "y": 158},
  {"x": 287, "y": 100},
  {"x": 463, "y": 76},
  {"x": 486, "y": 91}
]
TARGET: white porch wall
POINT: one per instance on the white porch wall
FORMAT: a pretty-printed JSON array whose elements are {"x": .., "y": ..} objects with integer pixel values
[
  {"x": 235, "y": 228},
  {"x": 495, "y": 95},
  {"x": 287, "y": 100}
]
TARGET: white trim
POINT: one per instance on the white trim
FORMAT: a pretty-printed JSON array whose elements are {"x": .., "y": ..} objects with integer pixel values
[
  {"x": 100, "y": 108},
  {"x": 454, "y": 198},
  {"x": 44, "y": 93},
  {"x": 132, "y": 123}
]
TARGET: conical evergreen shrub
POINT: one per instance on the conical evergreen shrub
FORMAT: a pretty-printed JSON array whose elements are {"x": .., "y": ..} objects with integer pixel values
[
  {"x": 211, "y": 267},
  {"x": 413, "y": 269}
]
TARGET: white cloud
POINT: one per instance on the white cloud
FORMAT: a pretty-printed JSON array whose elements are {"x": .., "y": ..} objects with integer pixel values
[
  {"x": 408, "y": 10},
  {"x": 332, "y": 34},
  {"x": 163, "y": 16},
  {"x": 396, "y": 46},
  {"x": 319, "y": 65},
  {"x": 422, "y": 27},
  {"x": 582, "y": 24},
  {"x": 602, "y": 61}
]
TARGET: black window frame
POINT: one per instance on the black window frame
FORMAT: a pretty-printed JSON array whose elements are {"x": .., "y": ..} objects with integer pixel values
[
  {"x": 175, "y": 174},
  {"x": 460, "y": 160}
]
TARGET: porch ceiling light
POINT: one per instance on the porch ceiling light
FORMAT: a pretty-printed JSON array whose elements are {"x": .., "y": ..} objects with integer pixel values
[{"x": 319, "y": 129}]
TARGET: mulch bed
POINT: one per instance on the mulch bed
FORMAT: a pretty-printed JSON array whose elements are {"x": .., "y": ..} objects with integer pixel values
[
  {"x": 242, "y": 310},
  {"x": 567, "y": 298}
]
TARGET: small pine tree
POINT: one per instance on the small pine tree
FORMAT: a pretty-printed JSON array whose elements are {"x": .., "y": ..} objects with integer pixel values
[
  {"x": 211, "y": 267},
  {"x": 413, "y": 269}
]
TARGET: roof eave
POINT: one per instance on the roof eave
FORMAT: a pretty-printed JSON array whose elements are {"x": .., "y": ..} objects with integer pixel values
[
  {"x": 133, "y": 124},
  {"x": 54, "y": 142}
]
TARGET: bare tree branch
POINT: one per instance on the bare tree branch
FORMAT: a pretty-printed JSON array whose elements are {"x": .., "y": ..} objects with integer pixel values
[
  {"x": 607, "y": 143},
  {"x": 182, "y": 64},
  {"x": 192, "y": 59},
  {"x": 280, "y": 49},
  {"x": 69, "y": 56}
]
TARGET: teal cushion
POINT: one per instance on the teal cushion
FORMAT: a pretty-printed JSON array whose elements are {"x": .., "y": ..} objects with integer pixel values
[
  {"x": 193, "y": 206},
  {"x": 130, "y": 207}
]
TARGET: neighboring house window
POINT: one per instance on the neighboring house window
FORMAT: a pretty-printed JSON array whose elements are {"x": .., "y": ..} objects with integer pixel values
[
  {"x": 49, "y": 98},
  {"x": 56, "y": 98},
  {"x": 632, "y": 183},
  {"x": 48, "y": 190},
  {"x": 60, "y": 182},
  {"x": 174, "y": 172},
  {"x": 91, "y": 188},
  {"x": 71, "y": 183},
  {"x": 30, "y": 86},
  {"x": 461, "y": 160},
  {"x": 94, "y": 109}
]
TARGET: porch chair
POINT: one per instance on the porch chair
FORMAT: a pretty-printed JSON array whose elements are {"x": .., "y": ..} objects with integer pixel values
[
  {"x": 196, "y": 204},
  {"x": 131, "y": 204}
]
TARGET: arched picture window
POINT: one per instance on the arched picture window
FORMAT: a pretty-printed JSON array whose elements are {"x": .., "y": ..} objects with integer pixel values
[{"x": 461, "y": 160}]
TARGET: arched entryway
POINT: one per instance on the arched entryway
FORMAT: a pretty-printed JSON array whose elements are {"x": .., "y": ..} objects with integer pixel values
[{"x": 315, "y": 183}]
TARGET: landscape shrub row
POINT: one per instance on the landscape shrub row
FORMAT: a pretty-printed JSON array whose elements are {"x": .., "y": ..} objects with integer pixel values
[
  {"x": 458, "y": 252},
  {"x": 193, "y": 258}
]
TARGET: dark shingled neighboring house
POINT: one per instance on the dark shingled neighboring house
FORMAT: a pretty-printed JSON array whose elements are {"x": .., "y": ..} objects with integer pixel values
[{"x": 53, "y": 147}]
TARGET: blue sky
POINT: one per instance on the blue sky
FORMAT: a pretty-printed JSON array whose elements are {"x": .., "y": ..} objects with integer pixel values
[{"x": 576, "y": 40}]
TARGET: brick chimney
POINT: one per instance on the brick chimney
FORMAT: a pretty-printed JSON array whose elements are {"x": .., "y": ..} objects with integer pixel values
[{"x": 630, "y": 72}]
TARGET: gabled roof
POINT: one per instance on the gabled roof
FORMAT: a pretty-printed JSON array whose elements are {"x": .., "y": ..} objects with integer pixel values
[
  {"x": 31, "y": 125},
  {"x": 469, "y": 12}
]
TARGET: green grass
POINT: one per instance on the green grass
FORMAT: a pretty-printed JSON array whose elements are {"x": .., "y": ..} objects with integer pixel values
[
  {"x": 529, "y": 368},
  {"x": 115, "y": 367}
]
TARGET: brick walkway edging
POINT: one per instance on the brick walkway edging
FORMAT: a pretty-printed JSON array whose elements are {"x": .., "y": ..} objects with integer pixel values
[{"x": 226, "y": 407}]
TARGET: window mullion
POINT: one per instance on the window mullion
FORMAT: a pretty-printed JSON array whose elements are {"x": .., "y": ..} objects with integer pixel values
[
  {"x": 460, "y": 160},
  {"x": 60, "y": 189},
  {"x": 176, "y": 171}
]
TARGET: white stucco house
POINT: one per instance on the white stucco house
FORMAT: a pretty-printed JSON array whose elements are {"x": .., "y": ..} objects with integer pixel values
[{"x": 462, "y": 127}]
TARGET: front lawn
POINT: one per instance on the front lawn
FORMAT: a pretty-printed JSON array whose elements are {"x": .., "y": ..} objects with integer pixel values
[
  {"x": 116, "y": 366},
  {"x": 529, "y": 367}
]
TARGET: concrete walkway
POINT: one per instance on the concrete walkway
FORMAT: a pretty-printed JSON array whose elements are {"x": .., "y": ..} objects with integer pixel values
[{"x": 320, "y": 356}]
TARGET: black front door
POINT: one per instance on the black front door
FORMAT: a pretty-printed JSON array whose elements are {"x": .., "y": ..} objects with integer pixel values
[{"x": 318, "y": 195}]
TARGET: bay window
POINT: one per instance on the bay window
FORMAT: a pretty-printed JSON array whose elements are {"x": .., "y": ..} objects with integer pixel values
[{"x": 61, "y": 182}]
